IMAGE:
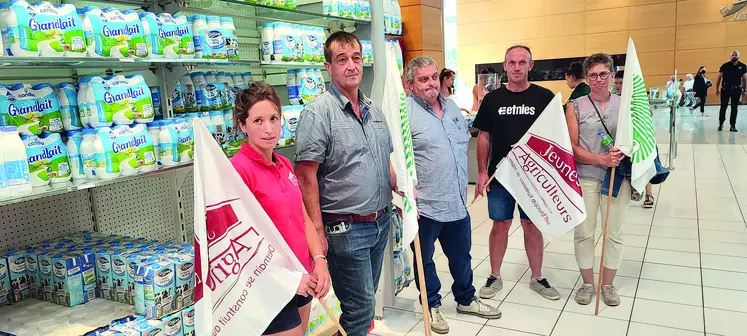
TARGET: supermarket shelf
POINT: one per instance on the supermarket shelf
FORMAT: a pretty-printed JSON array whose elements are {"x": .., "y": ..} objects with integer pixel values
[
  {"x": 293, "y": 65},
  {"x": 10, "y": 62},
  {"x": 35, "y": 317},
  {"x": 264, "y": 13}
]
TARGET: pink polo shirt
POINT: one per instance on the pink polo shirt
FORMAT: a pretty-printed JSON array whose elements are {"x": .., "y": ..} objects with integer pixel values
[{"x": 276, "y": 188}]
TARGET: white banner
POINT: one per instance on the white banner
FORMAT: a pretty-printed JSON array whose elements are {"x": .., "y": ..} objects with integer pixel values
[
  {"x": 245, "y": 272},
  {"x": 403, "y": 159},
  {"x": 540, "y": 172}
]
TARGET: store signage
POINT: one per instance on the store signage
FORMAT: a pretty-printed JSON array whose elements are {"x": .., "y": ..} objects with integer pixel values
[{"x": 736, "y": 10}]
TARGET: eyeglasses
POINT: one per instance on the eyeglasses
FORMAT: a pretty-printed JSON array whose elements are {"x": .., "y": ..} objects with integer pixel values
[{"x": 602, "y": 75}]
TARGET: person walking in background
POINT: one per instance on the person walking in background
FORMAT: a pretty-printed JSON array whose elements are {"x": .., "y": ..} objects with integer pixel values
[
  {"x": 271, "y": 179},
  {"x": 689, "y": 91},
  {"x": 734, "y": 76},
  {"x": 504, "y": 117},
  {"x": 587, "y": 118},
  {"x": 480, "y": 89},
  {"x": 342, "y": 160},
  {"x": 439, "y": 142},
  {"x": 574, "y": 77},
  {"x": 700, "y": 86}
]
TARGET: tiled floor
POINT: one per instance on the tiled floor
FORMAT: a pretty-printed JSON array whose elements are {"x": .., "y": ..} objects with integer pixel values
[{"x": 684, "y": 270}]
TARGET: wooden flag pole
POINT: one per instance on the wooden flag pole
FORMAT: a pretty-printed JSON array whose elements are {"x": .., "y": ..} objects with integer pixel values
[
  {"x": 486, "y": 184},
  {"x": 423, "y": 290},
  {"x": 604, "y": 240},
  {"x": 332, "y": 316}
]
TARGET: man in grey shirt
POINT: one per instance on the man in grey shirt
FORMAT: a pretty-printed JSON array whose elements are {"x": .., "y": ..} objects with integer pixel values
[
  {"x": 342, "y": 163},
  {"x": 440, "y": 140}
]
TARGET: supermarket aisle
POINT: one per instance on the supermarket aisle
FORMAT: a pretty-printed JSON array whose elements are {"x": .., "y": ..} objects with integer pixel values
[{"x": 684, "y": 270}]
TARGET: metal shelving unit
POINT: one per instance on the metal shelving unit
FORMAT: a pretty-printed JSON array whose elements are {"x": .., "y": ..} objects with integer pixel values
[{"x": 157, "y": 204}]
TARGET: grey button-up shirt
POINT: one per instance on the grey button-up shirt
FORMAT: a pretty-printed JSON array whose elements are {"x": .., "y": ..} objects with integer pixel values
[
  {"x": 353, "y": 153},
  {"x": 440, "y": 148}
]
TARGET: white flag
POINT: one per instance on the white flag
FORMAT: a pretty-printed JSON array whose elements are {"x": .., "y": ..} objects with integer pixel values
[
  {"x": 635, "y": 128},
  {"x": 403, "y": 159},
  {"x": 540, "y": 172},
  {"x": 245, "y": 272}
]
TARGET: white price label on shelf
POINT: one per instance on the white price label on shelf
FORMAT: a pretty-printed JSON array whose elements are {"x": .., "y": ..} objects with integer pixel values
[
  {"x": 86, "y": 186},
  {"x": 127, "y": 60}
]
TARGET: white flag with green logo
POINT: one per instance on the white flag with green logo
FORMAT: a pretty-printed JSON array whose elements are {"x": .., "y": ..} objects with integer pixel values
[
  {"x": 403, "y": 159},
  {"x": 635, "y": 128}
]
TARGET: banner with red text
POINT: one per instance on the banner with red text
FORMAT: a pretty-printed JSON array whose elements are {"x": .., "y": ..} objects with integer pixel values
[
  {"x": 245, "y": 272},
  {"x": 540, "y": 172}
]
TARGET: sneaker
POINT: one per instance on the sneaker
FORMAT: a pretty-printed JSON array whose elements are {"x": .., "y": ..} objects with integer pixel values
[
  {"x": 541, "y": 286},
  {"x": 479, "y": 309},
  {"x": 733, "y": 129},
  {"x": 584, "y": 294},
  {"x": 609, "y": 295},
  {"x": 438, "y": 321},
  {"x": 635, "y": 196},
  {"x": 720, "y": 128},
  {"x": 492, "y": 286}
]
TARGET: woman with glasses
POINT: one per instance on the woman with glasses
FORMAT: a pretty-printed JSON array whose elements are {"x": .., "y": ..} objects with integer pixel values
[{"x": 590, "y": 119}]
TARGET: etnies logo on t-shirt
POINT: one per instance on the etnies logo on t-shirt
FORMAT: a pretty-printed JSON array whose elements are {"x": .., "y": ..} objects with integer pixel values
[{"x": 516, "y": 110}]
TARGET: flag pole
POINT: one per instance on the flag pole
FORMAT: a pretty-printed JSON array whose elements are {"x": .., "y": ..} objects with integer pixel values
[
  {"x": 486, "y": 183},
  {"x": 332, "y": 317},
  {"x": 604, "y": 240},
  {"x": 423, "y": 290}
]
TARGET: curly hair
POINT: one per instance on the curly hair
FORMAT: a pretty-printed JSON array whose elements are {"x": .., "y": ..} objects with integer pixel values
[
  {"x": 248, "y": 97},
  {"x": 599, "y": 58}
]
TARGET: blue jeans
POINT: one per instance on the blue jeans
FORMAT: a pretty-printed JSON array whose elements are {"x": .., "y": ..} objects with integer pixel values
[
  {"x": 355, "y": 256},
  {"x": 501, "y": 204},
  {"x": 456, "y": 242}
]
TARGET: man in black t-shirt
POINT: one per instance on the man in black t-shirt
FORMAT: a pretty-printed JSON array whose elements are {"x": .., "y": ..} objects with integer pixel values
[
  {"x": 734, "y": 74},
  {"x": 504, "y": 116}
]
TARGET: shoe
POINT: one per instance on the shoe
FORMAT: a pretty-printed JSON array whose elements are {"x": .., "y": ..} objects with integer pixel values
[
  {"x": 541, "y": 286},
  {"x": 492, "y": 287},
  {"x": 479, "y": 309},
  {"x": 636, "y": 196},
  {"x": 720, "y": 128},
  {"x": 609, "y": 295},
  {"x": 649, "y": 202},
  {"x": 733, "y": 129},
  {"x": 584, "y": 294},
  {"x": 438, "y": 321}
]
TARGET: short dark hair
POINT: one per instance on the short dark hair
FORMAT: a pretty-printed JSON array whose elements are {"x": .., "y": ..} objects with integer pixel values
[
  {"x": 599, "y": 58},
  {"x": 575, "y": 70},
  {"x": 342, "y": 38},
  {"x": 620, "y": 74},
  {"x": 519, "y": 46},
  {"x": 248, "y": 97}
]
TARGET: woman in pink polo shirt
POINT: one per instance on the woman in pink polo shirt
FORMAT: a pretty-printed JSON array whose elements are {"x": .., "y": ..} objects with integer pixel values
[{"x": 271, "y": 179}]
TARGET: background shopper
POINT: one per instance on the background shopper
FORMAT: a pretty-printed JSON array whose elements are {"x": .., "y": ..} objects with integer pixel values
[
  {"x": 480, "y": 89},
  {"x": 342, "y": 159},
  {"x": 446, "y": 81},
  {"x": 504, "y": 116},
  {"x": 440, "y": 141},
  {"x": 700, "y": 86},
  {"x": 734, "y": 76},
  {"x": 271, "y": 179},
  {"x": 574, "y": 77},
  {"x": 587, "y": 117},
  {"x": 619, "y": 77}
]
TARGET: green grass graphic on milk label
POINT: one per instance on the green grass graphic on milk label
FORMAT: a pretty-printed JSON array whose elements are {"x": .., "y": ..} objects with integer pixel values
[
  {"x": 47, "y": 158},
  {"x": 121, "y": 99},
  {"x": 117, "y": 34},
  {"x": 120, "y": 150},
  {"x": 33, "y": 109},
  {"x": 46, "y": 30},
  {"x": 146, "y": 151}
]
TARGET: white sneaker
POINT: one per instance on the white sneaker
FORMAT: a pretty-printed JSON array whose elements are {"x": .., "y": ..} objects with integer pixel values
[
  {"x": 492, "y": 287},
  {"x": 438, "y": 321},
  {"x": 479, "y": 309}
]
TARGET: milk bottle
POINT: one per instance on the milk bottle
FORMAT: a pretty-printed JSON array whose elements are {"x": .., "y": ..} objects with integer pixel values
[
  {"x": 34, "y": 109},
  {"x": 224, "y": 87},
  {"x": 217, "y": 127},
  {"x": 199, "y": 27},
  {"x": 152, "y": 29},
  {"x": 116, "y": 34},
  {"x": 186, "y": 46},
  {"x": 73, "y": 144},
  {"x": 186, "y": 89},
  {"x": 201, "y": 91},
  {"x": 17, "y": 179},
  {"x": 298, "y": 31},
  {"x": 47, "y": 159},
  {"x": 67, "y": 94},
  {"x": 247, "y": 78},
  {"x": 292, "y": 85},
  {"x": 44, "y": 30},
  {"x": 230, "y": 38},
  {"x": 146, "y": 151},
  {"x": 268, "y": 33},
  {"x": 116, "y": 151},
  {"x": 320, "y": 85},
  {"x": 87, "y": 153},
  {"x": 142, "y": 98},
  {"x": 239, "y": 83},
  {"x": 84, "y": 102},
  {"x": 215, "y": 44},
  {"x": 213, "y": 92}
]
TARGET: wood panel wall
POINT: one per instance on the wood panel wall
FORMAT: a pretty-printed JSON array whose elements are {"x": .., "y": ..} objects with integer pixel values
[{"x": 669, "y": 34}]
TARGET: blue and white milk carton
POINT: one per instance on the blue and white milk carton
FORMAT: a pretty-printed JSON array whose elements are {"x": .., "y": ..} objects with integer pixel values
[
  {"x": 68, "y": 280},
  {"x": 32, "y": 272},
  {"x": 4, "y": 281},
  {"x": 172, "y": 324},
  {"x": 159, "y": 289},
  {"x": 104, "y": 273},
  {"x": 19, "y": 284},
  {"x": 188, "y": 321},
  {"x": 185, "y": 280},
  {"x": 46, "y": 276}
]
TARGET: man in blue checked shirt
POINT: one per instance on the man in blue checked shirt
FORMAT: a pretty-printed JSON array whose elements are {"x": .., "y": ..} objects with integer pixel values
[{"x": 440, "y": 140}]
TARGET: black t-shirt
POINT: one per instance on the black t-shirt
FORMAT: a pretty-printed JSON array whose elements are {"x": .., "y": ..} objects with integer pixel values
[
  {"x": 507, "y": 116},
  {"x": 732, "y": 74}
]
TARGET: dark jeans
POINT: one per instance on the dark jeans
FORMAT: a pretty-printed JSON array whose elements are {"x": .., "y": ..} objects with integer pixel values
[
  {"x": 701, "y": 102},
  {"x": 456, "y": 242},
  {"x": 735, "y": 94},
  {"x": 355, "y": 256}
]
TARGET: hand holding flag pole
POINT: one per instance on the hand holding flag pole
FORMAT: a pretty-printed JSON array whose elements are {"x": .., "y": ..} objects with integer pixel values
[{"x": 486, "y": 184}]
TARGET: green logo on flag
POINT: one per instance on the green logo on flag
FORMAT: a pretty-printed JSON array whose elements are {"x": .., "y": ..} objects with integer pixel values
[
  {"x": 404, "y": 118},
  {"x": 644, "y": 139}
]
